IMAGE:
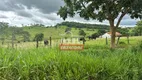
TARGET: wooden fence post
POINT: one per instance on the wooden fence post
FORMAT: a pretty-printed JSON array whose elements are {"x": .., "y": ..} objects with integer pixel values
[
  {"x": 50, "y": 41},
  {"x": 106, "y": 41},
  {"x": 128, "y": 39},
  {"x": 118, "y": 40}
]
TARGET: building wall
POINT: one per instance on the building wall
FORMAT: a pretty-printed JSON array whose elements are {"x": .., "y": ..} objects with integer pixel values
[{"x": 106, "y": 35}]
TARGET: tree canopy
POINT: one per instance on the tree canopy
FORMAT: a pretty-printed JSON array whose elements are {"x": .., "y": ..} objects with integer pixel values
[
  {"x": 101, "y": 9},
  {"x": 39, "y": 37}
]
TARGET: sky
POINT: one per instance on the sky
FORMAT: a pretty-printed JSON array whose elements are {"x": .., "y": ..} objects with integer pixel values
[{"x": 18, "y": 12}]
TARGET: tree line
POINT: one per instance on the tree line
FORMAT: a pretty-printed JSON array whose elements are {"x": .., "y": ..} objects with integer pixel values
[
  {"x": 82, "y": 25},
  {"x": 12, "y": 33}
]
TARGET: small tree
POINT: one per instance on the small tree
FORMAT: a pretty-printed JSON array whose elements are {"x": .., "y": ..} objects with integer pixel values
[
  {"x": 14, "y": 31},
  {"x": 38, "y": 37},
  {"x": 26, "y": 36},
  {"x": 67, "y": 29},
  {"x": 3, "y": 31},
  {"x": 82, "y": 33},
  {"x": 103, "y": 10},
  {"x": 138, "y": 28}
]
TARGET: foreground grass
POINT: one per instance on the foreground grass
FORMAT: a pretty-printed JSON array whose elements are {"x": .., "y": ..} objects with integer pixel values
[{"x": 53, "y": 64}]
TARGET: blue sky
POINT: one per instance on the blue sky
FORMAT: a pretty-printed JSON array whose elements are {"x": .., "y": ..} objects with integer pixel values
[{"x": 18, "y": 12}]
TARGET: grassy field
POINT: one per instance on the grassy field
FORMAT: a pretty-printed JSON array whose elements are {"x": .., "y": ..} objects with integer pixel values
[
  {"x": 89, "y": 43},
  {"x": 95, "y": 62}
]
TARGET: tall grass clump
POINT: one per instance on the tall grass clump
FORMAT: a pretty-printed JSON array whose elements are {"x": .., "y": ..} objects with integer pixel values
[
  {"x": 137, "y": 48},
  {"x": 53, "y": 64}
]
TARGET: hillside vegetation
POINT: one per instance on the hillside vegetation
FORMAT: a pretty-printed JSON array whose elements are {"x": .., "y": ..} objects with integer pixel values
[{"x": 59, "y": 29}]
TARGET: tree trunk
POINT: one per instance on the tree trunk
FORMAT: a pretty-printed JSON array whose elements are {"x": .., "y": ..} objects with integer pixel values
[
  {"x": 112, "y": 32},
  {"x": 106, "y": 41},
  {"x": 112, "y": 37}
]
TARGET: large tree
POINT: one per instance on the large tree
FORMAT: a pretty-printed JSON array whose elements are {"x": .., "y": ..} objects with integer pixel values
[{"x": 101, "y": 10}]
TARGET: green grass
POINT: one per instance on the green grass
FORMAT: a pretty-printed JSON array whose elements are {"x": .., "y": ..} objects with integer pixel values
[
  {"x": 53, "y": 64},
  {"x": 96, "y": 62}
]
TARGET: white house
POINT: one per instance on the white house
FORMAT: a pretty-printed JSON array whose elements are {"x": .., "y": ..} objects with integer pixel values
[{"x": 108, "y": 35}]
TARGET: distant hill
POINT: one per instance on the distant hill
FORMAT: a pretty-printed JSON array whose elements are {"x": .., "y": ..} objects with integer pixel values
[
  {"x": 60, "y": 28},
  {"x": 83, "y": 25}
]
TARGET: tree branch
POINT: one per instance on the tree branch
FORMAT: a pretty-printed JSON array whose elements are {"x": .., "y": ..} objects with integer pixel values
[
  {"x": 91, "y": 14},
  {"x": 120, "y": 18}
]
